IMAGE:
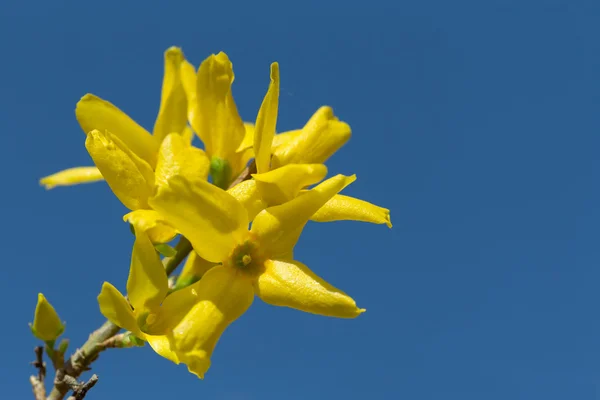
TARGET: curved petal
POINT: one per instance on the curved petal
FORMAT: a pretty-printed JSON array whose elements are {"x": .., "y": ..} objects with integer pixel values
[
  {"x": 153, "y": 224},
  {"x": 147, "y": 285},
  {"x": 283, "y": 184},
  {"x": 115, "y": 308},
  {"x": 177, "y": 157},
  {"x": 216, "y": 119},
  {"x": 342, "y": 208},
  {"x": 194, "y": 268},
  {"x": 194, "y": 318},
  {"x": 248, "y": 141},
  {"x": 130, "y": 178},
  {"x": 293, "y": 284},
  {"x": 213, "y": 220},
  {"x": 94, "y": 113},
  {"x": 278, "y": 228},
  {"x": 162, "y": 346},
  {"x": 72, "y": 176},
  {"x": 172, "y": 115},
  {"x": 284, "y": 137},
  {"x": 266, "y": 123},
  {"x": 248, "y": 195},
  {"x": 322, "y": 136}
]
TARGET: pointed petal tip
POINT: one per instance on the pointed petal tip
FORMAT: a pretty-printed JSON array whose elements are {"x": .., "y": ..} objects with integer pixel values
[
  {"x": 45, "y": 182},
  {"x": 388, "y": 219},
  {"x": 274, "y": 71}
]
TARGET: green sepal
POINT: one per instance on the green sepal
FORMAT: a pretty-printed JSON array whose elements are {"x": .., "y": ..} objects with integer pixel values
[
  {"x": 220, "y": 171},
  {"x": 165, "y": 249}
]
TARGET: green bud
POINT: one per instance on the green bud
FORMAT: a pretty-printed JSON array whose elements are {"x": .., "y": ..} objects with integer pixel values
[
  {"x": 220, "y": 171},
  {"x": 165, "y": 249},
  {"x": 46, "y": 323},
  {"x": 131, "y": 340}
]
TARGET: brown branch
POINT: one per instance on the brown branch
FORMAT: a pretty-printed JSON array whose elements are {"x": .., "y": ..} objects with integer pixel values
[
  {"x": 37, "y": 382},
  {"x": 81, "y": 389},
  {"x": 245, "y": 175}
]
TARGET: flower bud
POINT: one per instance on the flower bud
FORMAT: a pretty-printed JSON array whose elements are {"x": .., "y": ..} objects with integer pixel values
[{"x": 46, "y": 323}]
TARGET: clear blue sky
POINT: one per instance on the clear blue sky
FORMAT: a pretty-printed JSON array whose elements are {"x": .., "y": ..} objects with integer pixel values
[{"x": 476, "y": 122}]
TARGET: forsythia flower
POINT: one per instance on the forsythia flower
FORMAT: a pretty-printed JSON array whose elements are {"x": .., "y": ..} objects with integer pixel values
[
  {"x": 95, "y": 113},
  {"x": 147, "y": 287},
  {"x": 46, "y": 323},
  {"x": 243, "y": 238},
  {"x": 296, "y": 164},
  {"x": 214, "y": 116},
  {"x": 256, "y": 261},
  {"x": 129, "y": 158}
]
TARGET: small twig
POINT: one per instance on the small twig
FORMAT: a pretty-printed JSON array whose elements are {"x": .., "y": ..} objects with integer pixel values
[
  {"x": 245, "y": 175},
  {"x": 39, "y": 391},
  {"x": 39, "y": 362},
  {"x": 37, "y": 382},
  {"x": 81, "y": 389}
]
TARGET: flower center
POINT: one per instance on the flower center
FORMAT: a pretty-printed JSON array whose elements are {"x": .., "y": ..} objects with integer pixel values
[{"x": 246, "y": 257}]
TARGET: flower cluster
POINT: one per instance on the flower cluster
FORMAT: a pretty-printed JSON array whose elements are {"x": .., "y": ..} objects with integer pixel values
[{"x": 243, "y": 226}]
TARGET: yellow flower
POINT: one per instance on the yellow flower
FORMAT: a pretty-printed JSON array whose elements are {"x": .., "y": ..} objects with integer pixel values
[
  {"x": 132, "y": 179},
  {"x": 256, "y": 261},
  {"x": 147, "y": 287},
  {"x": 46, "y": 323},
  {"x": 94, "y": 113},
  {"x": 214, "y": 116},
  {"x": 297, "y": 163}
]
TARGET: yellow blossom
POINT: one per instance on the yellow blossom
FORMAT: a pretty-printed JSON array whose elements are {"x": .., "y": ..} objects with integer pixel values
[
  {"x": 94, "y": 113},
  {"x": 46, "y": 323},
  {"x": 132, "y": 179},
  {"x": 297, "y": 163},
  {"x": 258, "y": 262},
  {"x": 214, "y": 116},
  {"x": 147, "y": 287}
]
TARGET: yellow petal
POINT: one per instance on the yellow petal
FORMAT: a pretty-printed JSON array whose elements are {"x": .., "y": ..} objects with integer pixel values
[
  {"x": 293, "y": 284},
  {"x": 153, "y": 224},
  {"x": 172, "y": 115},
  {"x": 345, "y": 208},
  {"x": 115, "y": 308},
  {"x": 188, "y": 80},
  {"x": 195, "y": 317},
  {"x": 284, "y": 137},
  {"x": 266, "y": 122},
  {"x": 248, "y": 195},
  {"x": 46, "y": 323},
  {"x": 162, "y": 346},
  {"x": 213, "y": 220},
  {"x": 72, "y": 176},
  {"x": 283, "y": 184},
  {"x": 195, "y": 267},
  {"x": 147, "y": 285},
  {"x": 279, "y": 227},
  {"x": 248, "y": 141},
  {"x": 322, "y": 136},
  {"x": 177, "y": 157},
  {"x": 94, "y": 113},
  {"x": 216, "y": 119},
  {"x": 129, "y": 177},
  {"x": 187, "y": 134}
]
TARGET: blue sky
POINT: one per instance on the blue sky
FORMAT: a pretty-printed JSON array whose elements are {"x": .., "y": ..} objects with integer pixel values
[{"x": 476, "y": 122}]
